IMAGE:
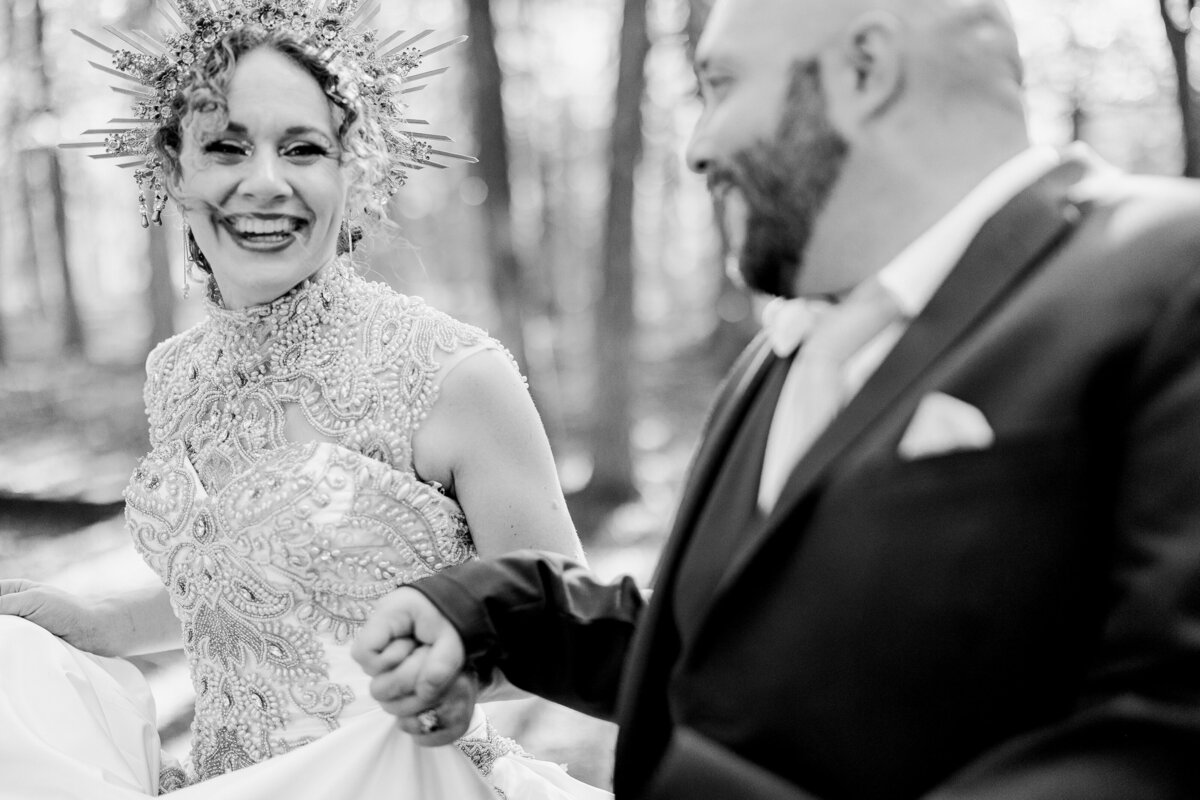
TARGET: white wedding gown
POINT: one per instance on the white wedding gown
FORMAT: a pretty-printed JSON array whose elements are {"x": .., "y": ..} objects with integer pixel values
[
  {"x": 81, "y": 727},
  {"x": 273, "y": 552}
]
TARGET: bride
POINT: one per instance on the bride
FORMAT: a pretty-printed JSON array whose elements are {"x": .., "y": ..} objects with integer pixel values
[{"x": 316, "y": 442}]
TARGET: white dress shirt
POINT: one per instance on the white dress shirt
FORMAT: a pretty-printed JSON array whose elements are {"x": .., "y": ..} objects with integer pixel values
[{"x": 916, "y": 273}]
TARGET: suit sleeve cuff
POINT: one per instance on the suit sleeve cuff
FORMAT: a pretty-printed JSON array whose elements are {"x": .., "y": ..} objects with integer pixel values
[{"x": 450, "y": 592}]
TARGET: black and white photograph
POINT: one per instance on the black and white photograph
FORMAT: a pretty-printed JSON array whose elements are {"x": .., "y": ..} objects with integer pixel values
[{"x": 600, "y": 399}]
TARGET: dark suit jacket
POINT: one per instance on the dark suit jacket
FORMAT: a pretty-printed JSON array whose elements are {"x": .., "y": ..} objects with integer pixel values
[{"x": 1011, "y": 623}]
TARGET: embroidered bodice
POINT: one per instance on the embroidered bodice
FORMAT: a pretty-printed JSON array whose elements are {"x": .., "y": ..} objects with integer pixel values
[{"x": 274, "y": 549}]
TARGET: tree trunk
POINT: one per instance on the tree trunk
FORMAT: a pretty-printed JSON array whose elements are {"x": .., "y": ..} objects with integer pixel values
[
  {"x": 612, "y": 469},
  {"x": 3, "y": 282},
  {"x": 1179, "y": 27},
  {"x": 72, "y": 326},
  {"x": 24, "y": 279},
  {"x": 72, "y": 323},
  {"x": 6, "y": 150},
  {"x": 507, "y": 279}
]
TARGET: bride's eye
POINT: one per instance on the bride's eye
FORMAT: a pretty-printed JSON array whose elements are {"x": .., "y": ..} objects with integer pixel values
[
  {"x": 227, "y": 149},
  {"x": 304, "y": 152}
]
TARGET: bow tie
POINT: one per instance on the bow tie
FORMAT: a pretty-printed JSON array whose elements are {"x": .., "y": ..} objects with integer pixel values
[
  {"x": 842, "y": 327},
  {"x": 788, "y": 321}
]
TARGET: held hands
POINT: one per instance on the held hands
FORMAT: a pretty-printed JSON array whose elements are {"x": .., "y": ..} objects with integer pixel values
[
  {"x": 418, "y": 668},
  {"x": 61, "y": 613}
]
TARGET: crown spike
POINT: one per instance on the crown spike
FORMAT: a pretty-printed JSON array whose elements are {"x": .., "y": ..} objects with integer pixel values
[
  {"x": 117, "y": 72},
  {"x": 150, "y": 41},
  {"x": 368, "y": 18},
  {"x": 170, "y": 16},
  {"x": 111, "y": 155},
  {"x": 129, "y": 40},
  {"x": 444, "y": 45},
  {"x": 93, "y": 42},
  {"x": 391, "y": 37},
  {"x": 80, "y": 145},
  {"x": 126, "y": 121},
  {"x": 133, "y": 93},
  {"x": 131, "y": 164},
  {"x": 435, "y": 136},
  {"x": 433, "y": 164},
  {"x": 423, "y": 75},
  {"x": 173, "y": 6},
  {"x": 459, "y": 156},
  {"x": 365, "y": 14},
  {"x": 406, "y": 121},
  {"x": 409, "y": 42},
  {"x": 413, "y": 89}
]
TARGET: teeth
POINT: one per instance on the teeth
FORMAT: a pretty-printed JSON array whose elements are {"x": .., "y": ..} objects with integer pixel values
[{"x": 263, "y": 227}]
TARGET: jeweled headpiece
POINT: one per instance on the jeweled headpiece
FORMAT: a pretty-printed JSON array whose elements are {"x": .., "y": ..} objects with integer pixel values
[{"x": 156, "y": 68}]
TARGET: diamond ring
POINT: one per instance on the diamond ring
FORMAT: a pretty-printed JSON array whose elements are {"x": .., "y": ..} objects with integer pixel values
[{"x": 429, "y": 721}]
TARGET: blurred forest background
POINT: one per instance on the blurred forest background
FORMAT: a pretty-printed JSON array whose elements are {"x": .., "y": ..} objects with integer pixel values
[{"x": 579, "y": 239}]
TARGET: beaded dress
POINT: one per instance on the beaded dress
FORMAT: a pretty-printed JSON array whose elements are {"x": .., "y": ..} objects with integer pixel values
[{"x": 277, "y": 502}]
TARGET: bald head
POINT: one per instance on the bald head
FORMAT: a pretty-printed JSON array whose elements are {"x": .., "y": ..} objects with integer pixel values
[
  {"x": 974, "y": 37},
  {"x": 974, "y": 40}
]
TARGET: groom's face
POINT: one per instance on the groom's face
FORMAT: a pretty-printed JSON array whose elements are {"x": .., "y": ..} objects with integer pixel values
[{"x": 764, "y": 140}]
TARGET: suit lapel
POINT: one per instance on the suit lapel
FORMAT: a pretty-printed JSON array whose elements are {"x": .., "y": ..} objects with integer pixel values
[
  {"x": 651, "y": 648},
  {"x": 1009, "y": 245},
  {"x": 734, "y": 398}
]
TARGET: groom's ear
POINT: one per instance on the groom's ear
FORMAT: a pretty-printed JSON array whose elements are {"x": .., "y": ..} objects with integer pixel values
[{"x": 865, "y": 67}]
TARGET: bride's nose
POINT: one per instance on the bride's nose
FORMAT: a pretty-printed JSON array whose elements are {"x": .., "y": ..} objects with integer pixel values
[{"x": 265, "y": 177}]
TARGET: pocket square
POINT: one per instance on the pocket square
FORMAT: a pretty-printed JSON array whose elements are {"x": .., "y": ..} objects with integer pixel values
[{"x": 945, "y": 424}]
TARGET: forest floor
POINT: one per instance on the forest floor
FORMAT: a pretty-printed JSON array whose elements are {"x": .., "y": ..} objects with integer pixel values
[{"x": 71, "y": 432}]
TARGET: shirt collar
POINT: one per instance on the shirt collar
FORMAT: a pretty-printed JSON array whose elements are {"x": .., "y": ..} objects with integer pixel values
[{"x": 915, "y": 274}]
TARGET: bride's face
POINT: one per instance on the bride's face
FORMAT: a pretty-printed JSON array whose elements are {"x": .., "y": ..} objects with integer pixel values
[{"x": 265, "y": 195}]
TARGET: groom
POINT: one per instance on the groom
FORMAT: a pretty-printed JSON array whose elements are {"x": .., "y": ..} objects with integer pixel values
[{"x": 949, "y": 548}]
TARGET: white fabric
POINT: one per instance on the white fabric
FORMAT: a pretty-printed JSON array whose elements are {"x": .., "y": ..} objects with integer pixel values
[
  {"x": 788, "y": 321},
  {"x": 75, "y": 726},
  {"x": 911, "y": 279},
  {"x": 812, "y": 392},
  {"x": 944, "y": 424}
]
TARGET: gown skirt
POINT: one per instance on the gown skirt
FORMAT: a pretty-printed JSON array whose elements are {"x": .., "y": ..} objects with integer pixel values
[{"x": 76, "y": 726}]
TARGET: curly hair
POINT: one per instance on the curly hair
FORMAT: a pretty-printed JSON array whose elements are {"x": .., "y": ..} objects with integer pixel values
[{"x": 201, "y": 101}]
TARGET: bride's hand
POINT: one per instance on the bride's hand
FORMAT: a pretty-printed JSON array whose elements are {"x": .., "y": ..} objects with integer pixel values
[
  {"x": 65, "y": 615},
  {"x": 416, "y": 661}
]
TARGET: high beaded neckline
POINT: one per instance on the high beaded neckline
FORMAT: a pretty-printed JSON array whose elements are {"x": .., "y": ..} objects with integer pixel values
[{"x": 326, "y": 282}]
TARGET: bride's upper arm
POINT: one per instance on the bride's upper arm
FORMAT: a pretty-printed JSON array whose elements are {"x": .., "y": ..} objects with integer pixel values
[{"x": 484, "y": 441}]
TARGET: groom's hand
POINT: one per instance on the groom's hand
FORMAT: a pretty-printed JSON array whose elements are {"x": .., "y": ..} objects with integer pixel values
[{"x": 417, "y": 665}]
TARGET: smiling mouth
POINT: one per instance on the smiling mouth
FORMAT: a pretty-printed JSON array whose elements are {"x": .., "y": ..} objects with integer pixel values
[{"x": 263, "y": 231}]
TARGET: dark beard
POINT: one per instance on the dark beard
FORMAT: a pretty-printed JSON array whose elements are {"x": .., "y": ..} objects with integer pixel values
[{"x": 785, "y": 183}]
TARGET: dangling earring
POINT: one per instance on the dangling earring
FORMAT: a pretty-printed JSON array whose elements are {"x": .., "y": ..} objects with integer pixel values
[
  {"x": 348, "y": 232},
  {"x": 189, "y": 260},
  {"x": 160, "y": 203}
]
